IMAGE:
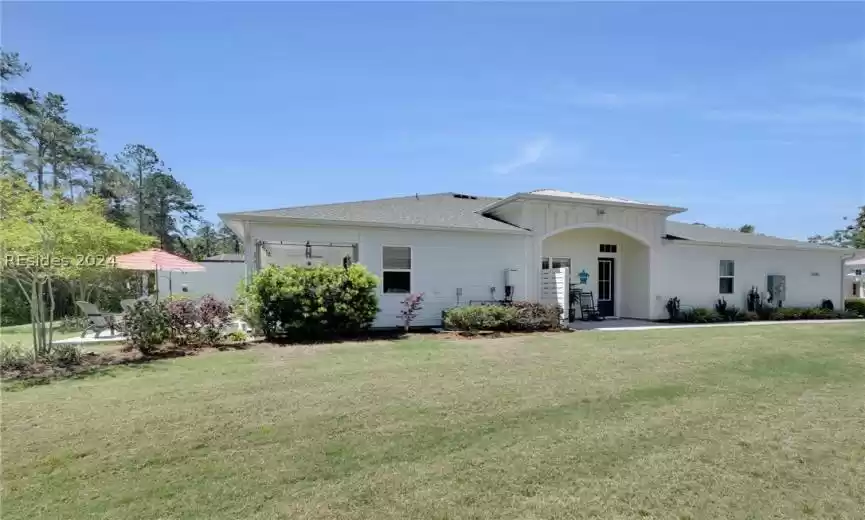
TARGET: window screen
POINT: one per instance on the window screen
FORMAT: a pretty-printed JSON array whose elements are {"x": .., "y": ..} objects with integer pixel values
[
  {"x": 396, "y": 269},
  {"x": 727, "y": 273},
  {"x": 396, "y": 257}
]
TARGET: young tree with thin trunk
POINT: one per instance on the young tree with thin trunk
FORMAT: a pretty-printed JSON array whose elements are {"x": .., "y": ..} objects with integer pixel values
[{"x": 44, "y": 240}]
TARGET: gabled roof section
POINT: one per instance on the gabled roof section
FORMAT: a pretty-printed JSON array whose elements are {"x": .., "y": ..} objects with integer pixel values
[
  {"x": 574, "y": 197},
  {"x": 706, "y": 234},
  {"x": 439, "y": 211}
]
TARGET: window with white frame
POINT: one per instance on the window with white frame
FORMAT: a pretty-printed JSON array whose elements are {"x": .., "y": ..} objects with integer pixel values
[
  {"x": 727, "y": 272},
  {"x": 560, "y": 262},
  {"x": 608, "y": 248},
  {"x": 396, "y": 269},
  {"x": 555, "y": 262}
]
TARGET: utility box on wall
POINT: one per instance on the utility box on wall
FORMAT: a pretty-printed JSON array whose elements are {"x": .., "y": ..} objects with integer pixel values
[{"x": 776, "y": 285}]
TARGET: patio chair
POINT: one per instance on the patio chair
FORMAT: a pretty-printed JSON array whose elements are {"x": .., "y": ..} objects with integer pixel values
[
  {"x": 97, "y": 320},
  {"x": 588, "y": 311}
]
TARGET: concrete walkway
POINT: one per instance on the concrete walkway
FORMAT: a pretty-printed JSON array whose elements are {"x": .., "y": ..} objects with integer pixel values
[
  {"x": 90, "y": 339},
  {"x": 629, "y": 324}
]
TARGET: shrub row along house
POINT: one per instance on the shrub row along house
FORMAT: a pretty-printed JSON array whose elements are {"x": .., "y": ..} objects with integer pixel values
[{"x": 458, "y": 249}]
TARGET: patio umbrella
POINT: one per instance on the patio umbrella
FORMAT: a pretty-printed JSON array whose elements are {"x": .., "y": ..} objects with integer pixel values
[{"x": 155, "y": 260}]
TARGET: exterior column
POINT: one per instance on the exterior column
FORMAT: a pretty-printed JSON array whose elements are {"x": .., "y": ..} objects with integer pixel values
[
  {"x": 249, "y": 247},
  {"x": 653, "y": 281},
  {"x": 533, "y": 268}
]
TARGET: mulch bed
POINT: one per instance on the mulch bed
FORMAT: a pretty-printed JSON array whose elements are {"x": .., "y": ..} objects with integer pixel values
[{"x": 91, "y": 362}]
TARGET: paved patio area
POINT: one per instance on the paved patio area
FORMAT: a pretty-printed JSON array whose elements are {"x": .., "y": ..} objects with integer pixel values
[
  {"x": 90, "y": 339},
  {"x": 613, "y": 323}
]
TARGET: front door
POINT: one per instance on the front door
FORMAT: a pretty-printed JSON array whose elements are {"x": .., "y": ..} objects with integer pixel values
[{"x": 606, "y": 286}]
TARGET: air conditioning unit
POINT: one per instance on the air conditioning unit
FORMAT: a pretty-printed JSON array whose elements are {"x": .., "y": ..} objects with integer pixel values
[{"x": 776, "y": 286}]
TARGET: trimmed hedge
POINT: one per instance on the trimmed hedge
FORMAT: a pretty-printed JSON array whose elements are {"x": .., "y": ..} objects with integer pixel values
[
  {"x": 856, "y": 305},
  {"x": 764, "y": 313},
  {"x": 518, "y": 316},
  {"x": 303, "y": 303}
]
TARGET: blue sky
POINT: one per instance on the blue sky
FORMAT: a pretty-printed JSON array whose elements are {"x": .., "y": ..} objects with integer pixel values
[{"x": 742, "y": 112}]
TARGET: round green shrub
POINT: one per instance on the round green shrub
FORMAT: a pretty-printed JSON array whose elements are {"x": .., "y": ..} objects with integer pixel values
[
  {"x": 302, "y": 303},
  {"x": 855, "y": 305}
]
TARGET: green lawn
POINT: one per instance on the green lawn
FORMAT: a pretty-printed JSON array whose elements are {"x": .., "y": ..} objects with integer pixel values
[
  {"x": 23, "y": 334},
  {"x": 739, "y": 422}
]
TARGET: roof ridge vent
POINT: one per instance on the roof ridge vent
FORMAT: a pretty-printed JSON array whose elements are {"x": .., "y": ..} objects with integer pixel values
[{"x": 464, "y": 196}]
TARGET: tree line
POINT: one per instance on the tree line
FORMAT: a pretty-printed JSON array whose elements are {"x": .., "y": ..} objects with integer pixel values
[{"x": 56, "y": 155}]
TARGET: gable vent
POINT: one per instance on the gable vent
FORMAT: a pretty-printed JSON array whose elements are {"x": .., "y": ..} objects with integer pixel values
[{"x": 463, "y": 196}]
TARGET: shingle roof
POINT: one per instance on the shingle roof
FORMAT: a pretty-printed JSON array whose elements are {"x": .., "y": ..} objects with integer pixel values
[
  {"x": 458, "y": 211},
  {"x": 701, "y": 233},
  {"x": 445, "y": 210}
]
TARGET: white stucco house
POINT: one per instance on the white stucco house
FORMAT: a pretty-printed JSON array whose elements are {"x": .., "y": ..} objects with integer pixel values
[{"x": 458, "y": 248}]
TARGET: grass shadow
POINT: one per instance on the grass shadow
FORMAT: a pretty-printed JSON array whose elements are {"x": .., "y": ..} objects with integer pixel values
[{"x": 367, "y": 336}]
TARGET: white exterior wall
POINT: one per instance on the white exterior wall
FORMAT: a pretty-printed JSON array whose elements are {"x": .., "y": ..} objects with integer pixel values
[
  {"x": 631, "y": 275},
  {"x": 219, "y": 279},
  {"x": 637, "y": 278},
  {"x": 691, "y": 272},
  {"x": 548, "y": 218},
  {"x": 297, "y": 256},
  {"x": 442, "y": 261}
]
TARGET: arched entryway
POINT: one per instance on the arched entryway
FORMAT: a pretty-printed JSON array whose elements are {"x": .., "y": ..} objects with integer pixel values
[{"x": 611, "y": 263}]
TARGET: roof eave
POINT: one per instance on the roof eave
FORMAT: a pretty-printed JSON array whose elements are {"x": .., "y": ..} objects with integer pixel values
[
  {"x": 687, "y": 241},
  {"x": 668, "y": 210},
  {"x": 244, "y": 217},
  {"x": 501, "y": 202}
]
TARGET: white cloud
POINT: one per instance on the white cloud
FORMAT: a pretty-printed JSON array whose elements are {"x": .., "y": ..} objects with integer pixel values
[
  {"x": 790, "y": 115},
  {"x": 622, "y": 99},
  {"x": 841, "y": 94},
  {"x": 530, "y": 153}
]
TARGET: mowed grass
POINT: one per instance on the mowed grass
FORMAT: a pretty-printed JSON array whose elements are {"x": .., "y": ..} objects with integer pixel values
[
  {"x": 23, "y": 334},
  {"x": 743, "y": 422}
]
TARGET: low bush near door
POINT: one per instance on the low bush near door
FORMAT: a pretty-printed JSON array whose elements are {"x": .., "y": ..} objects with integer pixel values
[
  {"x": 480, "y": 317},
  {"x": 856, "y": 305},
  {"x": 537, "y": 316},
  {"x": 518, "y": 316}
]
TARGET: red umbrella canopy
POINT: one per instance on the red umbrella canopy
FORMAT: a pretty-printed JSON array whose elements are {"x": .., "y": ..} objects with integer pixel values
[{"x": 155, "y": 259}]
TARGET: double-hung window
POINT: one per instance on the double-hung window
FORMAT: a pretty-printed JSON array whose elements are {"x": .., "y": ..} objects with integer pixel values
[
  {"x": 727, "y": 273},
  {"x": 396, "y": 269}
]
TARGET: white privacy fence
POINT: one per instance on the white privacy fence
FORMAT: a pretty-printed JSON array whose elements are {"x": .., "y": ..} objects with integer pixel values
[{"x": 554, "y": 288}]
